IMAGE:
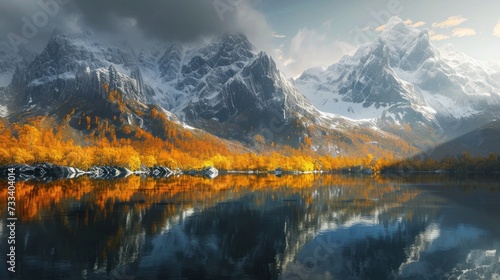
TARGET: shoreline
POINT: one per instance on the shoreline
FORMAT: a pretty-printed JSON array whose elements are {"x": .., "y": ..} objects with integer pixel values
[{"x": 50, "y": 172}]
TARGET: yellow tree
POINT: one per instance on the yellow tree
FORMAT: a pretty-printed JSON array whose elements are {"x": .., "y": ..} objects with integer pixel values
[{"x": 29, "y": 136}]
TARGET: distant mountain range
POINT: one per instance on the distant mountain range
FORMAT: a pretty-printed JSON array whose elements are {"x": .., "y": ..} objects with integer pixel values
[
  {"x": 402, "y": 77},
  {"x": 399, "y": 93}
]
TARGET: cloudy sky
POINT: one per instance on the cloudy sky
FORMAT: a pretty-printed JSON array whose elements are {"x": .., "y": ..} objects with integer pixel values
[
  {"x": 299, "y": 34},
  {"x": 325, "y": 29}
]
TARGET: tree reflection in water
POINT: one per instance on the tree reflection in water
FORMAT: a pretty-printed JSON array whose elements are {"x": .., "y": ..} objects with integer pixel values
[{"x": 249, "y": 227}]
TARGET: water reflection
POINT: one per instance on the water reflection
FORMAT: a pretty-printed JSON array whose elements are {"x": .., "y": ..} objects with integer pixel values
[{"x": 257, "y": 227}]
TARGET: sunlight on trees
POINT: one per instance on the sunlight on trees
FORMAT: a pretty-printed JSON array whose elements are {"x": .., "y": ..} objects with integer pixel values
[{"x": 175, "y": 147}]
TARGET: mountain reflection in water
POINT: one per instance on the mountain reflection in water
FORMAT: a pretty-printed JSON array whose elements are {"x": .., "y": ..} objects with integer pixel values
[{"x": 257, "y": 227}]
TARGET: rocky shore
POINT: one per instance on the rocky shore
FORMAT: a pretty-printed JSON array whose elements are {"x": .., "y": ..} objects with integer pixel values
[{"x": 50, "y": 172}]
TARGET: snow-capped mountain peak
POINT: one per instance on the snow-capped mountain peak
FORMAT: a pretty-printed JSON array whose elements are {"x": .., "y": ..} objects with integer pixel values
[
  {"x": 401, "y": 77},
  {"x": 221, "y": 83},
  {"x": 457, "y": 59},
  {"x": 397, "y": 33}
]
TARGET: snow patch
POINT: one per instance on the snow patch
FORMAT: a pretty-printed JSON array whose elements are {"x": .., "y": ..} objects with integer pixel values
[
  {"x": 47, "y": 79},
  {"x": 3, "y": 111}
]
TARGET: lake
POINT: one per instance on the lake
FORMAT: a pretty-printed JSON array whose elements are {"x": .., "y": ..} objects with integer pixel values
[{"x": 257, "y": 227}]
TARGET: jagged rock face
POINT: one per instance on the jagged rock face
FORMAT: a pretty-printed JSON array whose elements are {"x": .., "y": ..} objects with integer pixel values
[
  {"x": 71, "y": 66},
  {"x": 197, "y": 73},
  {"x": 178, "y": 73},
  {"x": 10, "y": 60},
  {"x": 78, "y": 65},
  {"x": 255, "y": 100},
  {"x": 7, "y": 65},
  {"x": 170, "y": 62},
  {"x": 212, "y": 66},
  {"x": 257, "y": 87},
  {"x": 220, "y": 83},
  {"x": 224, "y": 84},
  {"x": 367, "y": 84},
  {"x": 401, "y": 77}
]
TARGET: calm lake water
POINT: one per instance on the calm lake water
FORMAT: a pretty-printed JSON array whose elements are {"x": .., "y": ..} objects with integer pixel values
[{"x": 257, "y": 227}]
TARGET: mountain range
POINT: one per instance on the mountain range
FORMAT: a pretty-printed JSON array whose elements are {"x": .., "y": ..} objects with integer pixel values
[
  {"x": 399, "y": 93},
  {"x": 403, "y": 78}
]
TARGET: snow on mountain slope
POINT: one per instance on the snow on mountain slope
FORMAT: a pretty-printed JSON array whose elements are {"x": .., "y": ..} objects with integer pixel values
[
  {"x": 10, "y": 60},
  {"x": 3, "y": 111},
  {"x": 200, "y": 73},
  {"x": 221, "y": 85},
  {"x": 182, "y": 78},
  {"x": 402, "y": 77},
  {"x": 76, "y": 66},
  {"x": 169, "y": 76}
]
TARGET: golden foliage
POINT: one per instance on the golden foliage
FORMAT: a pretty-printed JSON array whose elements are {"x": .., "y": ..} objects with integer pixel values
[{"x": 179, "y": 148}]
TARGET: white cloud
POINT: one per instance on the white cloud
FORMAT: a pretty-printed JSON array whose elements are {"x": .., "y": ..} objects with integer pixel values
[
  {"x": 450, "y": 22},
  {"x": 496, "y": 30},
  {"x": 438, "y": 37},
  {"x": 254, "y": 24},
  {"x": 380, "y": 28},
  {"x": 259, "y": 32},
  {"x": 310, "y": 48},
  {"x": 407, "y": 22},
  {"x": 463, "y": 32},
  {"x": 418, "y": 24}
]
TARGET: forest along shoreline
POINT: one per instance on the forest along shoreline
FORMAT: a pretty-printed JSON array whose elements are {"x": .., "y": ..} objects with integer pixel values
[{"x": 49, "y": 172}]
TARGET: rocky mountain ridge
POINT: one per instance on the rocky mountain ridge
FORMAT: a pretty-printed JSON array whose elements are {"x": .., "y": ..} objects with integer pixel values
[{"x": 402, "y": 77}]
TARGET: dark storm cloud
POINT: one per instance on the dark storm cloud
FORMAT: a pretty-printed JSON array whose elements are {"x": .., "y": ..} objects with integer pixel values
[
  {"x": 30, "y": 22},
  {"x": 164, "y": 19}
]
